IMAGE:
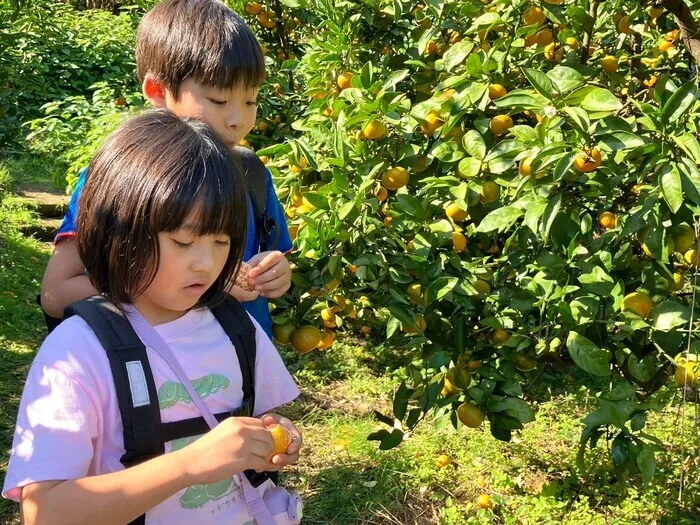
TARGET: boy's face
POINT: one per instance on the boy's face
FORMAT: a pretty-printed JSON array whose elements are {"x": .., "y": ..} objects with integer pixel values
[{"x": 231, "y": 112}]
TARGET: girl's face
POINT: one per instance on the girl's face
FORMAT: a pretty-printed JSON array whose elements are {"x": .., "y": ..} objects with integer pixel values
[{"x": 189, "y": 265}]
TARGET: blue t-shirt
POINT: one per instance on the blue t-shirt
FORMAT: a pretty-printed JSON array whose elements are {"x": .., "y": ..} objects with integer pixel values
[{"x": 259, "y": 308}]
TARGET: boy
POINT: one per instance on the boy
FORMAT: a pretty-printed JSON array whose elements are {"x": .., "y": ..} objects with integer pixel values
[{"x": 196, "y": 58}]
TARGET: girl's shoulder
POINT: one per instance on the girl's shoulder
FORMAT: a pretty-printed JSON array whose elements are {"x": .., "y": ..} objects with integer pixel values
[{"x": 73, "y": 348}]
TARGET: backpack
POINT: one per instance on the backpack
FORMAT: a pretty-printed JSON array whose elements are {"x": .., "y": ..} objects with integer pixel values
[
  {"x": 145, "y": 434},
  {"x": 256, "y": 177}
]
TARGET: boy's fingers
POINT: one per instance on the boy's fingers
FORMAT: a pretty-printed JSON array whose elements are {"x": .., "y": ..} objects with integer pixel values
[
  {"x": 273, "y": 285},
  {"x": 267, "y": 262}
]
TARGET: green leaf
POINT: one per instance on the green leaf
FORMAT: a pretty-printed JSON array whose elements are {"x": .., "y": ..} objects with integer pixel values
[
  {"x": 485, "y": 21},
  {"x": 401, "y": 398},
  {"x": 679, "y": 103},
  {"x": 597, "y": 281},
  {"x": 448, "y": 152},
  {"x": 550, "y": 213},
  {"x": 441, "y": 288},
  {"x": 276, "y": 149},
  {"x": 469, "y": 167},
  {"x": 457, "y": 53},
  {"x": 395, "y": 78},
  {"x": 500, "y": 219},
  {"x": 588, "y": 356},
  {"x": 621, "y": 450},
  {"x": 619, "y": 140},
  {"x": 521, "y": 99},
  {"x": 534, "y": 212},
  {"x": 669, "y": 315},
  {"x": 599, "y": 100},
  {"x": 690, "y": 145},
  {"x": 388, "y": 440},
  {"x": 690, "y": 178},
  {"x": 671, "y": 186},
  {"x": 345, "y": 210},
  {"x": 539, "y": 81},
  {"x": 411, "y": 205},
  {"x": 474, "y": 143},
  {"x": 646, "y": 463},
  {"x": 579, "y": 118},
  {"x": 566, "y": 79}
]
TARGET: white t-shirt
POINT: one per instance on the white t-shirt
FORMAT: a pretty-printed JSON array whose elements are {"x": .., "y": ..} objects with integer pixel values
[{"x": 69, "y": 425}]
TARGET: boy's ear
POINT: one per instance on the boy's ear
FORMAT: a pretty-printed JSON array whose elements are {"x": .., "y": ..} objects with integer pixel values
[{"x": 154, "y": 91}]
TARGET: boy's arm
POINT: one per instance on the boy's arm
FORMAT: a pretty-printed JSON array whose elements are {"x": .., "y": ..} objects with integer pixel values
[
  {"x": 237, "y": 444},
  {"x": 65, "y": 281}
]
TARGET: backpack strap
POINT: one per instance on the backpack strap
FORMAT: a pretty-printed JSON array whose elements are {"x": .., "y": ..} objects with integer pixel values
[
  {"x": 133, "y": 380},
  {"x": 241, "y": 331},
  {"x": 256, "y": 178}
]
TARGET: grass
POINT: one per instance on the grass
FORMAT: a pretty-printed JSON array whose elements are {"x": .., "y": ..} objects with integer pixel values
[{"x": 345, "y": 479}]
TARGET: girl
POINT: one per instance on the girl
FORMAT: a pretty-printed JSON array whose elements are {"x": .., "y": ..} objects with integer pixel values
[{"x": 161, "y": 232}]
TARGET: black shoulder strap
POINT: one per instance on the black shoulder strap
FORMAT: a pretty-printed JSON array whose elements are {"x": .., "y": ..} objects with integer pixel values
[
  {"x": 256, "y": 178},
  {"x": 241, "y": 331},
  {"x": 133, "y": 379}
]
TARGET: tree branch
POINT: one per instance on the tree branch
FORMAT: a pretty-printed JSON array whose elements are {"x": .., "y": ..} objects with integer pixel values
[
  {"x": 690, "y": 33},
  {"x": 592, "y": 15}
]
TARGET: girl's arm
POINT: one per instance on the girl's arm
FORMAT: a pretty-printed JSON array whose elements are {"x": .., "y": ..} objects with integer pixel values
[{"x": 235, "y": 445}]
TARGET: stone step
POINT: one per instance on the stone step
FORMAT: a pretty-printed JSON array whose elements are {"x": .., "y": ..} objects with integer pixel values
[
  {"x": 49, "y": 202},
  {"x": 42, "y": 229}
]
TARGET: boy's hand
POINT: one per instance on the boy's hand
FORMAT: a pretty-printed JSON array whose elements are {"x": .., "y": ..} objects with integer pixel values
[
  {"x": 270, "y": 274},
  {"x": 242, "y": 295},
  {"x": 292, "y": 456},
  {"x": 235, "y": 445}
]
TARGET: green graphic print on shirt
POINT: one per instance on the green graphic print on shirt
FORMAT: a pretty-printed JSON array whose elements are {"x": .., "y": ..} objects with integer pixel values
[{"x": 169, "y": 394}]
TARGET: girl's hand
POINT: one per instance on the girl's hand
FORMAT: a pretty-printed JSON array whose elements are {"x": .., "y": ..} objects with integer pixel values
[
  {"x": 292, "y": 456},
  {"x": 270, "y": 274},
  {"x": 235, "y": 445}
]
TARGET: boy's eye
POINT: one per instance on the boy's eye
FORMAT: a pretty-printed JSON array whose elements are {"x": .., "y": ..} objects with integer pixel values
[
  {"x": 217, "y": 102},
  {"x": 182, "y": 244},
  {"x": 252, "y": 102}
]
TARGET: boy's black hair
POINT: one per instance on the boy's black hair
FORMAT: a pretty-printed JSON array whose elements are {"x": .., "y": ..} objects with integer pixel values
[
  {"x": 152, "y": 174},
  {"x": 200, "y": 39}
]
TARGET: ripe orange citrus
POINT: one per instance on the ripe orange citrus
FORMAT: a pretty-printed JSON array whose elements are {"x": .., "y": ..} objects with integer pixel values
[
  {"x": 415, "y": 293},
  {"x": 305, "y": 338},
  {"x": 327, "y": 340},
  {"x": 417, "y": 328},
  {"x": 454, "y": 212},
  {"x": 490, "y": 192},
  {"x": 609, "y": 64},
  {"x": 381, "y": 193},
  {"x": 375, "y": 130},
  {"x": 533, "y": 16},
  {"x": 588, "y": 161},
  {"x": 665, "y": 45},
  {"x": 638, "y": 303},
  {"x": 624, "y": 25},
  {"x": 253, "y": 8},
  {"x": 607, "y": 220},
  {"x": 544, "y": 38},
  {"x": 686, "y": 375},
  {"x": 677, "y": 283},
  {"x": 395, "y": 178},
  {"x": 499, "y": 336},
  {"x": 497, "y": 91},
  {"x": 283, "y": 332},
  {"x": 470, "y": 415},
  {"x": 344, "y": 80},
  {"x": 282, "y": 438},
  {"x": 655, "y": 12},
  {"x": 431, "y": 47},
  {"x": 432, "y": 122},
  {"x": 484, "y": 501},
  {"x": 459, "y": 242},
  {"x": 443, "y": 461},
  {"x": 500, "y": 124}
]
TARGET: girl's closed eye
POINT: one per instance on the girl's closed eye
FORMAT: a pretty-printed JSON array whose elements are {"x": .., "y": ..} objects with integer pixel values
[
  {"x": 223, "y": 242},
  {"x": 181, "y": 244}
]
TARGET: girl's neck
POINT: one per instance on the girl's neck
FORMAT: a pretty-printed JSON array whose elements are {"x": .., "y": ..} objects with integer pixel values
[{"x": 154, "y": 314}]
